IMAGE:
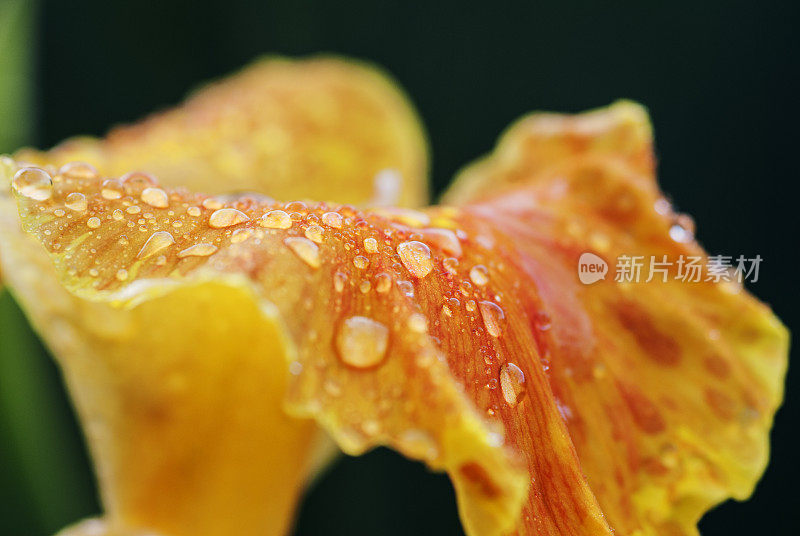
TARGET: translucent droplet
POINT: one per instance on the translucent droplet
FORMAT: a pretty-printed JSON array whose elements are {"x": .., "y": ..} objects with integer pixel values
[
  {"x": 211, "y": 203},
  {"x": 33, "y": 183},
  {"x": 370, "y": 245},
  {"x": 493, "y": 318},
  {"x": 360, "y": 262},
  {"x": 122, "y": 274},
  {"x": 76, "y": 201},
  {"x": 93, "y": 222},
  {"x": 157, "y": 242},
  {"x": 315, "y": 233},
  {"x": 275, "y": 219},
  {"x": 117, "y": 215},
  {"x": 78, "y": 170},
  {"x": 339, "y": 279},
  {"x": 417, "y": 323},
  {"x": 364, "y": 286},
  {"x": 198, "y": 250},
  {"x": 479, "y": 275},
  {"x": 451, "y": 265},
  {"x": 383, "y": 282},
  {"x": 59, "y": 212},
  {"x": 332, "y": 219},
  {"x": 111, "y": 189},
  {"x": 226, "y": 217},
  {"x": 193, "y": 211},
  {"x": 133, "y": 209},
  {"x": 362, "y": 342},
  {"x": 304, "y": 248},
  {"x": 155, "y": 197},
  {"x": 416, "y": 257},
  {"x": 240, "y": 235},
  {"x": 406, "y": 287},
  {"x": 137, "y": 179},
  {"x": 512, "y": 383},
  {"x": 444, "y": 239}
]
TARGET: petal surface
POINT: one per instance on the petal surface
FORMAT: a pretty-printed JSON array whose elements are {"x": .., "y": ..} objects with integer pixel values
[{"x": 668, "y": 388}]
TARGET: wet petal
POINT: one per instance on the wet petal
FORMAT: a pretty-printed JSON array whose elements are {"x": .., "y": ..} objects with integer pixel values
[
  {"x": 668, "y": 389},
  {"x": 320, "y": 128}
]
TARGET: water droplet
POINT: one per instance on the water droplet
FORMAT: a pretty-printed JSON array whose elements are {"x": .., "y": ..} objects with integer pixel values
[
  {"x": 406, "y": 287},
  {"x": 211, "y": 203},
  {"x": 360, "y": 262},
  {"x": 444, "y": 239},
  {"x": 93, "y": 222},
  {"x": 226, "y": 217},
  {"x": 193, "y": 211},
  {"x": 275, "y": 219},
  {"x": 479, "y": 275},
  {"x": 155, "y": 197},
  {"x": 362, "y": 342},
  {"x": 33, "y": 183},
  {"x": 332, "y": 219},
  {"x": 123, "y": 240},
  {"x": 339, "y": 279},
  {"x": 122, "y": 274},
  {"x": 304, "y": 248},
  {"x": 78, "y": 170},
  {"x": 76, "y": 201},
  {"x": 493, "y": 317},
  {"x": 383, "y": 282},
  {"x": 240, "y": 235},
  {"x": 315, "y": 233},
  {"x": 417, "y": 323},
  {"x": 451, "y": 265},
  {"x": 470, "y": 305},
  {"x": 370, "y": 245},
  {"x": 59, "y": 213},
  {"x": 512, "y": 383},
  {"x": 157, "y": 242},
  {"x": 198, "y": 250},
  {"x": 133, "y": 209},
  {"x": 117, "y": 215},
  {"x": 416, "y": 257},
  {"x": 138, "y": 179},
  {"x": 111, "y": 189},
  {"x": 364, "y": 286}
]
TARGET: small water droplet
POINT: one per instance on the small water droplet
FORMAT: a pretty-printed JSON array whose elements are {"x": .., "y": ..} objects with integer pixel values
[
  {"x": 240, "y": 235},
  {"x": 332, "y": 219},
  {"x": 493, "y": 317},
  {"x": 417, "y": 323},
  {"x": 138, "y": 179},
  {"x": 370, "y": 245},
  {"x": 315, "y": 233},
  {"x": 93, "y": 222},
  {"x": 198, "y": 250},
  {"x": 451, "y": 265},
  {"x": 155, "y": 197},
  {"x": 122, "y": 274},
  {"x": 364, "y": 286},
  {"x": 362, "y": 342},
  {"x": 339, "y": 279},
  {"x": 193, "y": 211},
  {"x": 123, "y": 240},
  {"x": 76, "y": 201},
  {"x": 406, "y": 287},
  {"x": 383, "y": 282},
  {"x": 304, "y": 248},
  {"x": 226, "y": 217},
  {"x": 117, "y": 215},
  {"x": 360, "y": 262},
  {"x": 416, "y": 257},
  {"x": 444, "y": 239},
  {"x": 33, "y": 183},
  {"x": 512, "y": 383},
  {"x": 78, "y": 170},
  {"x": 111, "y": 189},
  {"x": 479, "y": 275},
  {"x": 157, "y": 242},
  {"x": 275, "y": 219},
  {"x": 59, "y": 213},
  {"x": 211, "y": 203},
  {"x": 133, "y": 209}
]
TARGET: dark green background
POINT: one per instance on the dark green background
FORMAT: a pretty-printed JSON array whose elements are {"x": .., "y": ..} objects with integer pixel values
[{"x": 719, "y": 78}]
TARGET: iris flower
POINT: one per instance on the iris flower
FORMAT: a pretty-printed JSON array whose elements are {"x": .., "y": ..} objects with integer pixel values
[{"x": 237, "y": 288}]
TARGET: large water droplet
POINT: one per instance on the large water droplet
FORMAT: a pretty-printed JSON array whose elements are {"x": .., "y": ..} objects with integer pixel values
[
  {"x": 315, "y": 233},
  {"x": 512, "y": 383},
  {"x": 416, "y": 257},
  {"x": 276, "y": 219},
  {"x": 493, "y": 318},
  {"x": 362, "y": 342},
  {"x": 479, "y": 275},
  {"x": 226, "y": 217},
  {"x": 332, "y": 219},
  {"x": 370, "y": 245},
  {"x": 304, "y": 248},
  {"x": 78, "y": 170},
  {"x": 33, "y": 183},
  {"x": 155, "y": 197},
  {"x": 198, "y": 250},
  {"x": 111, "y": 189},
  {"x": 76, "y": 201},
  {"x": 158, "y": 241},
  {"x": 93, "y": 222}
]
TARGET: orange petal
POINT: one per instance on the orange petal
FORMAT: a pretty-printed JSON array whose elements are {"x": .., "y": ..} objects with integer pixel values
[
  {"x": 320, "y": 128},
  {"x": 669, "y": 389}
]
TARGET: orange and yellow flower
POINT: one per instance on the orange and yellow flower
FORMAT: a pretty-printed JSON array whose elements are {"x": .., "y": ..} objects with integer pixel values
[{"x": 215, "y": 339}]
